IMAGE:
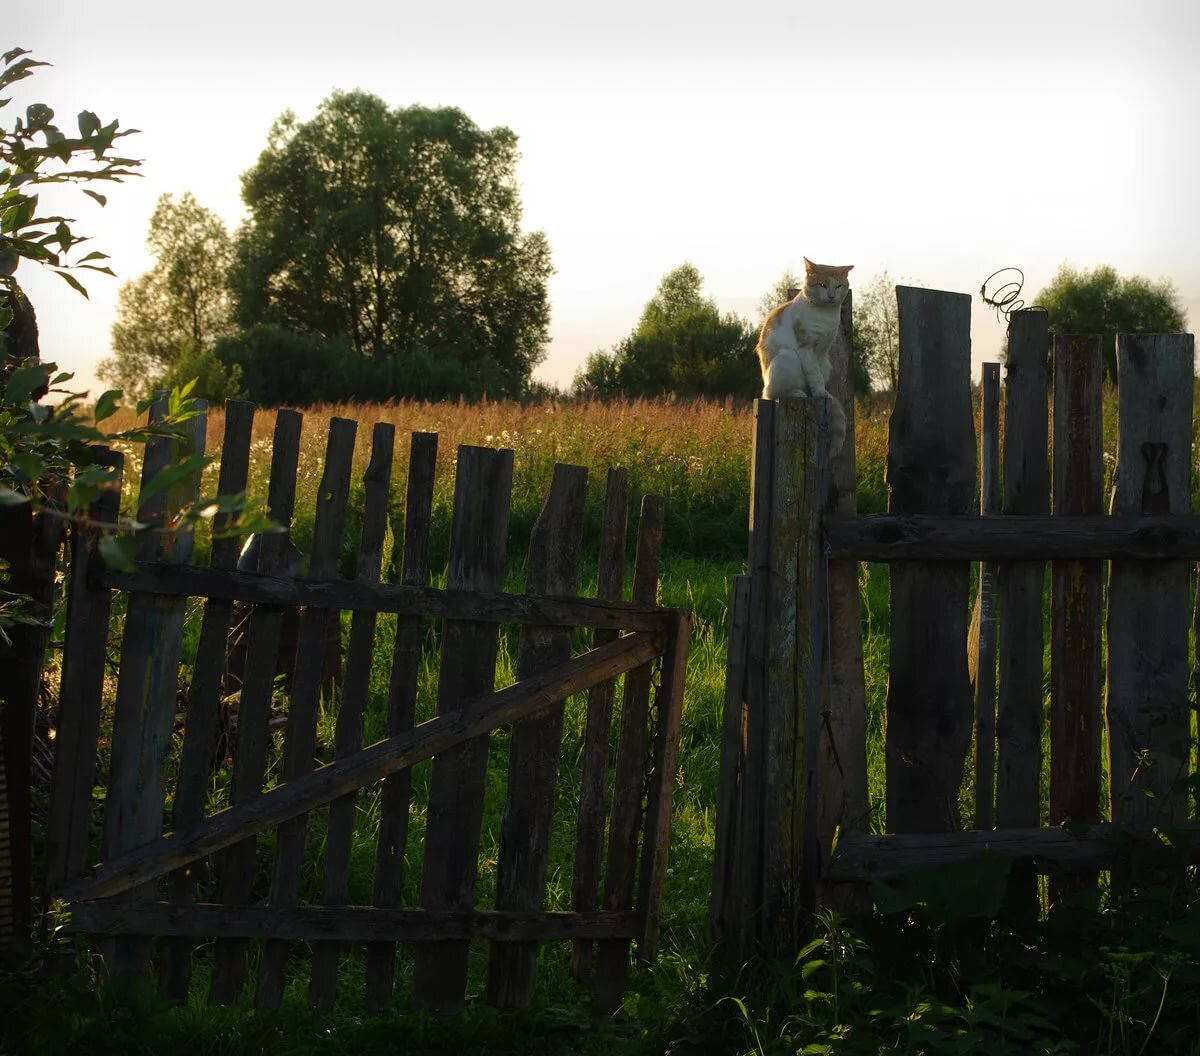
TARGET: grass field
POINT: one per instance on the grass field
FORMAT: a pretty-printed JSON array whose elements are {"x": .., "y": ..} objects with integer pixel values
[{"x": 923, "y": 979}]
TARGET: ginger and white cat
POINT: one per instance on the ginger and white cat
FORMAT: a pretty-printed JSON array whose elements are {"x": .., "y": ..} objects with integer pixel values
[{"x": 797, "y": 337}]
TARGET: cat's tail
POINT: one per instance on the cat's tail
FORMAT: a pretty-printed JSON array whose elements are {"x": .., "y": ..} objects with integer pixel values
[{"x": 837, "y": 425}]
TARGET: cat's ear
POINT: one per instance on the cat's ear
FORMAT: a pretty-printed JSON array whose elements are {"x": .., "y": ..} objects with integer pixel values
[
  {"x": 849, "y": 268},
  {"x": 808, "y": 264}
]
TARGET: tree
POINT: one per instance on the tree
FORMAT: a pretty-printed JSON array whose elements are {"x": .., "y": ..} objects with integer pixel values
[
  {"x": 170, "y": 317},
  {"x": 876, "y": 333},
  {"x": 682, "y": 344},
  {"x": 397, "y": 231},
  {"x": 1102, "y": 302}
]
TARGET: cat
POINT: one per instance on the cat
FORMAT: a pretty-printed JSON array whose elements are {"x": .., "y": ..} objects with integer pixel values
[{"x": 794, "y": 345}]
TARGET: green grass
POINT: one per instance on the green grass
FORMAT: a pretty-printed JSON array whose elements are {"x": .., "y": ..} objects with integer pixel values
[{"x": 935, "y": 974}]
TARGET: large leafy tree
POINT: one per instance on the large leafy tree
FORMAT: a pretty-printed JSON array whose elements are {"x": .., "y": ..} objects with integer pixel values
[
  {"x": 682, "y": 344},
  {"x": 1100, "y": 301},
  {"x": 398, "y": 231},
  {"x": 170, "y": 317},
  {"x": 877, "y": 331}
]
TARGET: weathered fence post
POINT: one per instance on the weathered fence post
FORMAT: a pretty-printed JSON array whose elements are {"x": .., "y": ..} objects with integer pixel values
[
  {"x": 770, "y": 828},
  {"x": 1076, "y": 592},
  {"x": 931, "y": 469},
  {"x": 1148, "y": 602}
]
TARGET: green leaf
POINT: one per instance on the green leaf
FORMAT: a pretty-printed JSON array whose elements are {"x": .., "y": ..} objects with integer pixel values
[
  {"x": 8, "y": 497},
  {"x": 169, "y": 476},
  {"x": 96, "y": 195},
  {"x": 117, "y": 552},
  {"x": 107, "y": 405},
  {"x": 24, "y": 382},
  {"x": 71, "y": 281},
  {"x": 88, "y": 123}
]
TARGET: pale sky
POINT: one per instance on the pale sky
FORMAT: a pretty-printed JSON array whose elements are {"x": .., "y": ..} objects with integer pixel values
[{"x": 940, "y": 139}]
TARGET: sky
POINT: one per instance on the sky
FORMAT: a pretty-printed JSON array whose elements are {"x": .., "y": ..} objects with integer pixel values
[{"x": 936, "y": 139}]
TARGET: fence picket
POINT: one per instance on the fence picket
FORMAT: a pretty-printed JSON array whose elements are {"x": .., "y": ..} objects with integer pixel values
[
  {"x": 478, "y": 556},
  {"x": 931, "y": 469},
  {"x": 300, "y": 738},
  {"x": 589, "y": 840},
  {"x": 235, "y": 867},
  {"x": 204, "y": 694},
  {"x": 551, "y": 568},
  {"x": 1148, "y": 603},
  {"x": 144, "y": 712},
  {"x": 402, "y": 701},
  {"x": 355, "y": 687},
  {"x": 612, "y": 957}
]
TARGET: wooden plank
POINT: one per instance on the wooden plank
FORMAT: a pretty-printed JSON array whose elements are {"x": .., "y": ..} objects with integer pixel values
[
  {"x": 723, "y": 903},
  {"x": 300, "y": 739},
  {"x": 81, "y": 690},
  {"x": 344, "y": 923},
  {"x": 625, "y": 817},
  {"x": 843, "y": 805},
  {"x": 401, "y": 714},
  {"x": 657, "y": 826},
  {"x": 931, "y": 470},
  {"x": 385, "y": 757},
  {"x": 1076, "y": 588},
  {"x": 871, "y": 857},
  {"x": 1020, "y": 711},
  {"x": 748, "y": 881},
  {"x": 1147, "y": 677},
  {"x": 551, "y": 567},
  {"x": 478, "y": 554},
  {"x": 478, "y": 606},
  {"x": 981, "y": 650},
  {"x": 1135, "y": 537},
  {"x": 795, "y": 653},
  {"x": 204, "y": 693},
  {"x": 593, "y": 791},
  {"x": 348, "y": 736},
  {"x": 144, "y": 711},
  {"x": 235, "y": 868}
]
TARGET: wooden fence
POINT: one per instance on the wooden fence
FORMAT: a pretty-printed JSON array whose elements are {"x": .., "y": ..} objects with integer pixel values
[
  {"x": 153, "y": 885},
  {"x": 793, "y": 815}
]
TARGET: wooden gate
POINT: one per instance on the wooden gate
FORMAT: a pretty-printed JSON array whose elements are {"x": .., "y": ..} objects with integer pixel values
[{"x": 209, "y": 876}]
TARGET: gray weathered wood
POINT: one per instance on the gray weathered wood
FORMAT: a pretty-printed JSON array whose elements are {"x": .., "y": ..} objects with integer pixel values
[
  {"x": 478, "y": 606},
  {"x": 1147, "y": 676},
  {"x": 300, "y": 740},
  {"x": 478, "y": 555},
  {"x": 401, "y": 714},
  {"x": 1135, "y": 537},
  {"x": 843, "y": 805},
  {"x": 794, "y": 694},
  {"x": 235, "y": 867},
  {"x": 204, "y": 692},
  {"x": 552, "y": 567},
  {"x": 355, "y": 687},
  {"x": 81, "y": 690},
  {"x": 389, "y": 756},
  {"x": 1020, "y": 711},
  {"x": 981, "y": 652},
  {"x": 731, "y": 775},
  {"x": 593, "y": 782},
  {"x": 1076, "y": 589},
  {"x": 345, "y": 923},
  {"x": 931, "y": 470},
  {"x": 746, "y": 909},
  {"x": 144, "y": 712},
  {"x": 657, "y": 826},
  {"x": 871, "y": 857},
  {"x": 612, "y": 958}
]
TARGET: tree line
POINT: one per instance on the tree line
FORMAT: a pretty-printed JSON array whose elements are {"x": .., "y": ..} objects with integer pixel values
[{"x": 382, "y": 256}]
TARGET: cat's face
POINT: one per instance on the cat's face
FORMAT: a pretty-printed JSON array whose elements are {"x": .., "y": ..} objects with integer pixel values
[{"x": 826, "y": 283}]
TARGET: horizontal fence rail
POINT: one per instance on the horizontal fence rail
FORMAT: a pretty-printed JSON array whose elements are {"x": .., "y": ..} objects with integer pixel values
[{"x": 1013, "y": 537}]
